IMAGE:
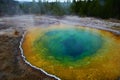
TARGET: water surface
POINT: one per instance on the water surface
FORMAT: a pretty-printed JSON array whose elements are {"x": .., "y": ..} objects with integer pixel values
[{"x": 74, "y": 53}]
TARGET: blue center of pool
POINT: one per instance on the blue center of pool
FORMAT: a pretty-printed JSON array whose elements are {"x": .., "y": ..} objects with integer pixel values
[{"x": 69, "y": 44}]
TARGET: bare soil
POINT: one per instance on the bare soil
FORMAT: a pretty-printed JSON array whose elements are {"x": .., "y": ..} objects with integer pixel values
[{"x": 12, "y": 65}]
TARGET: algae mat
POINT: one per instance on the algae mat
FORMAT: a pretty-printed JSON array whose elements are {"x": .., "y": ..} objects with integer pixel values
[{"x": 74, "y": 52}]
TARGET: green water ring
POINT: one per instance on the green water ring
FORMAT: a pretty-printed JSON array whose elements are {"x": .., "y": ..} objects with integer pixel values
[{"x": 68, "y": 45}]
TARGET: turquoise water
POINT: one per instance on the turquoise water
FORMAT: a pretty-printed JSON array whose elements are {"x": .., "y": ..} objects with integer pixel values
[{"x": 68, "y": 44}]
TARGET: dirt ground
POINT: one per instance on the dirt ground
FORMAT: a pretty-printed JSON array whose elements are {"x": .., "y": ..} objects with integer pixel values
[{"x": 12, "y": 65}]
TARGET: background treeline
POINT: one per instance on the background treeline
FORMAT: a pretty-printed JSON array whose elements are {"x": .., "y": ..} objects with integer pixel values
[
  {"x": 8, "y": 7},
  {"x": 48, "y": 8},
  {"x": 94, "y": 8},
  {"x": 97, "y": 8}
]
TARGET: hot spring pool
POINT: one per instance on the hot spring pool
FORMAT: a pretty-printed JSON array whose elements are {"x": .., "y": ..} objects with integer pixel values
[
  {"x": 73, "y": 53},
  {"x": 68, "y": 45}
]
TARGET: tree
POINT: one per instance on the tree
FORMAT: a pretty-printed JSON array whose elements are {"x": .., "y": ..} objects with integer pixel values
[{"x": 9, "y": 7}]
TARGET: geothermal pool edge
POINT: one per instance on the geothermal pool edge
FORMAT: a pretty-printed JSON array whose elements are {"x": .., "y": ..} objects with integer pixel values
[{"x": 24, "y": 59}]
